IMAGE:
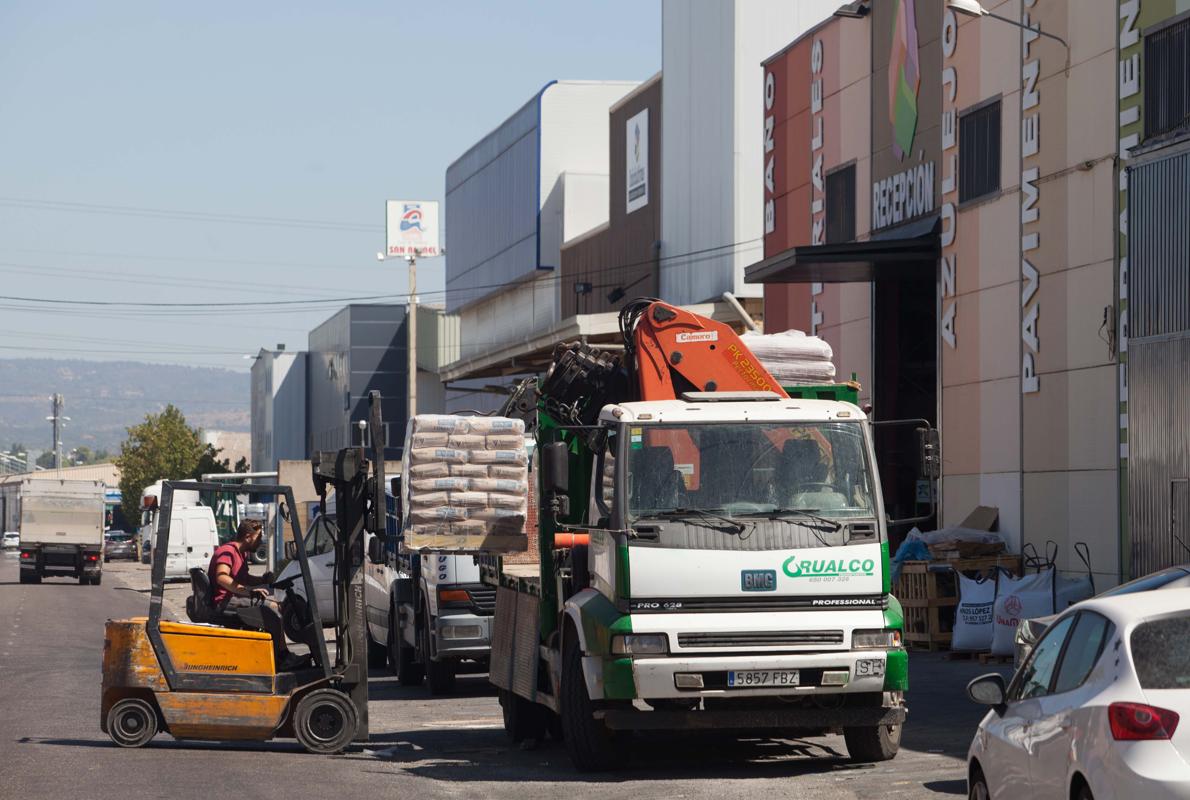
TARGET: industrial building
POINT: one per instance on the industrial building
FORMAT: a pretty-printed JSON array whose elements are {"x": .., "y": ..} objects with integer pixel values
[
  {"x": 303, "y": 402},
  {"x": 948, "y": 201}
]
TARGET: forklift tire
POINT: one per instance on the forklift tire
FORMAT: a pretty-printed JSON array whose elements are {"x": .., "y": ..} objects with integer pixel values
[
  {"x": 440, "y": 675},
  {"x": 523, "y": 719},
  {"x": 132, "y": 722},
  {"x": 324, "y": 721},
  {"x": 401, "y": 656},
  {"x": 592, "y": 746}
]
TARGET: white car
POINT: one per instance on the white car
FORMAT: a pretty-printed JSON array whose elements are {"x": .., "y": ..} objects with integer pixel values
[
  {"x": 1094, "y": 712},
  {"x": 12, "y": 540}
]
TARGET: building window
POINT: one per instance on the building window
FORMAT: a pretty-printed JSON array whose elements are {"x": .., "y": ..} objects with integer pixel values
[
  {"x": 840, "y": 205},
  {"x": 1167, "y": 79},
  {"x": 979, "y": 152}
]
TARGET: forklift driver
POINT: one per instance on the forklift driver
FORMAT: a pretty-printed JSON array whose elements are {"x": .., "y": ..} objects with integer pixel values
[{"x": 234, "y": 590}]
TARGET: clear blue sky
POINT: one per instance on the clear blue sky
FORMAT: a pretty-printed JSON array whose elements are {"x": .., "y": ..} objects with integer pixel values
[{"x": 242, "y": 111}]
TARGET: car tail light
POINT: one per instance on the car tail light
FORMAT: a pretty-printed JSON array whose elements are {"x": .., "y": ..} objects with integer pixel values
[{"x": 1135, "y": 721}]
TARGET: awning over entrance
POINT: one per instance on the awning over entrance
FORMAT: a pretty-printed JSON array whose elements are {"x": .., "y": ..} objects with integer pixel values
[
  {"x": 535, "y": 352},
  {"x": 899, "y": 253}
]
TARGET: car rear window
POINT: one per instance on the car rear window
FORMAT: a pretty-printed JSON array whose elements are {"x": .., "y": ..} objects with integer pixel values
[
  {"x": 1161, "y": 652},
  {"x": 1172, "y": 578}
]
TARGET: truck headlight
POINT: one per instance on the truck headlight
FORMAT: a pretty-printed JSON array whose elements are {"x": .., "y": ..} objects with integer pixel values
[
  {"x": 640, "y": 644},
  {"x": 876, "y": 639}
]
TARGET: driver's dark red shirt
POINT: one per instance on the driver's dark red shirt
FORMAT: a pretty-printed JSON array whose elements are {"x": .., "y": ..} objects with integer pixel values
[{"x": 230, "y": 555}]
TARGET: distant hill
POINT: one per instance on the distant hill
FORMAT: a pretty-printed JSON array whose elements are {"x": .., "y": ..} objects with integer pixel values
[{"x": 105, "y": 397}]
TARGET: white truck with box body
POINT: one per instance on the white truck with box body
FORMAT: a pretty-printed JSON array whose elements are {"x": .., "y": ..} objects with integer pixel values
[{"x": 62, "y": 530}]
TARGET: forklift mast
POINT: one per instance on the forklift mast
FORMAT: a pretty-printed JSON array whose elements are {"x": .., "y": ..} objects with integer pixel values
[{"x": 359, "y": 507}]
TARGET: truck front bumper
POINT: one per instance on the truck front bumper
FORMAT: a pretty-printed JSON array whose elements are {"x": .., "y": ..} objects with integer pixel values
[
  {"x": 792, "y": 719},
  {"x": 462, "y": 636},
  {"x": 843, "y": 672}
]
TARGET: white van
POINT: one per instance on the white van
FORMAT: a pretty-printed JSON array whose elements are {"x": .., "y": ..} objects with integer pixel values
[{"x": 193, "y": 538}]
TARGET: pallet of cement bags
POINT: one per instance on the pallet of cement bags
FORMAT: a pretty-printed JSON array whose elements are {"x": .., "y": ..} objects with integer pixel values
[
  {"x": 465, "y": 484},
  {"x": 792, "y": 357}
]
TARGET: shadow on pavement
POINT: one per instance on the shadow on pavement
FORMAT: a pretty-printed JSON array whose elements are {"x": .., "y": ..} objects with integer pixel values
[
  {"x": 957, "y": 787},
  {"x": 485, "y": 755}
]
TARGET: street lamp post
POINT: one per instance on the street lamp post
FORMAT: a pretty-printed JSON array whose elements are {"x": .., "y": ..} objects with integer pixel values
[
  {"x": 411, "y": 322},
  {"x": 973, "y": 8}
]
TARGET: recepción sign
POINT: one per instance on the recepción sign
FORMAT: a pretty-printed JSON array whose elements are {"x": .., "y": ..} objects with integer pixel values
[{"x": 412, "y": 228}]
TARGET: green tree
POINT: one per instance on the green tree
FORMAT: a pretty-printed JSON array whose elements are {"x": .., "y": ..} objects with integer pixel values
[{"x": 161, "y": 447}]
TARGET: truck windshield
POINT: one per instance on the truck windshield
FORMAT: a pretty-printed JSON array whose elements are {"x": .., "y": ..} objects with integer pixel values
[{"x": 749, "y": 468}]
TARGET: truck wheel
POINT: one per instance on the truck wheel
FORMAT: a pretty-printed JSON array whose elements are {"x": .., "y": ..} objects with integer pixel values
[
  {"x": 522, "y": 719},
  {"x": 132, "y": 722},
  {"x": 26, "y": 576},
  {"x": 325, "y": 721},
  {"x": 873, "y": 743},
  {"x": 400, "y": 655},
  {"x": 84, "y": 580},
  {"x": 95, "y": 581},
  {"x": 592, "y": 746},
  {"x": 440, "y": 675}
]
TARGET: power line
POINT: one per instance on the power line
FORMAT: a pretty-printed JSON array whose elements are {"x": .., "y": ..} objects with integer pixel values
[
  {"x": 188, "y": 216},
  {"x": 693, "y": 257}
]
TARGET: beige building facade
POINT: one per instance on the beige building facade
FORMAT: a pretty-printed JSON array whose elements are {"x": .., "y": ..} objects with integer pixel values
[{"x": 972, "y": 279}]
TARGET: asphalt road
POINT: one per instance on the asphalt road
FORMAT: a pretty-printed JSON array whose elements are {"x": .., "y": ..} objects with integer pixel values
[{"x": 51, "y": 639}]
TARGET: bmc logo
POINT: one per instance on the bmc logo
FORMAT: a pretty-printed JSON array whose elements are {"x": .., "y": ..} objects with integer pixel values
[{"x": 758, "y": 580}]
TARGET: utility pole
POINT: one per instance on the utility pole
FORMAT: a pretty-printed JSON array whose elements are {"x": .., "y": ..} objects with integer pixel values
[
  {"x": 411, "y": 322},
  {"x": 56, "y": 403}
]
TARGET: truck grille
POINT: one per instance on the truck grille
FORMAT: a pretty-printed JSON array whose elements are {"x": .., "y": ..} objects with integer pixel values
[
  {"x": 484, "y": 600},
  {"x": 696, "y": 641}
]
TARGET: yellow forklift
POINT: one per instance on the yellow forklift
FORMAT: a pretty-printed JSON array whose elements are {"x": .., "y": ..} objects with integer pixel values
[{"x": 213, "y": 680}]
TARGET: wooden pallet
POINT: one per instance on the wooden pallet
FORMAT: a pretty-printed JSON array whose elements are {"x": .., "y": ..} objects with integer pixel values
[
  {"x": 928, "y": 592},
  {"x": 989, "y": 658}
]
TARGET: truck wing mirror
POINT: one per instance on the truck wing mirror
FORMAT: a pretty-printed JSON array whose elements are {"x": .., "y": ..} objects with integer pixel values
[
  {"x": 291, "y": 550},
  {"x": 555, "y": 468},
  {"x": 376, "y": 549}
]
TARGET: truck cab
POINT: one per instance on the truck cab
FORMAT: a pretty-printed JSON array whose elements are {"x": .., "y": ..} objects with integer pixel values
[{"x": 736, "y": 576}]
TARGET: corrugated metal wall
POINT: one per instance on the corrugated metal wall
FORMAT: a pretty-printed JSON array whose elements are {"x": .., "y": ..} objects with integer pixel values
[
  {"x": 1159, "y": 247},
  {"x": 1158, "y": 449},
  {"x": 1158, "y": 362}
]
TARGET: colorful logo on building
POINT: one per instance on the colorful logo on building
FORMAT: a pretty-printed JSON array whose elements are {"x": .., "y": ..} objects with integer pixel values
[
  {"x": 904, "y": 77},
  {"x": 411, "y": 218}
]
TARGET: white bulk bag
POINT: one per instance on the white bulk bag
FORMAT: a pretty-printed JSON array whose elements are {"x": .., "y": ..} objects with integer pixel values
[
  {"x": 973, "y": 616},
  {"x": 1016, "y": 599}
]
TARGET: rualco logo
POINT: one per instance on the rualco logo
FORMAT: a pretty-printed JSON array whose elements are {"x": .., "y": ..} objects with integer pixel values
[{"x": 828, "y": 567}]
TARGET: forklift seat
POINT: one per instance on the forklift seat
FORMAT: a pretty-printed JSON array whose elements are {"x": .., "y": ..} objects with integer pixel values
[{"x": 198, "y": 604}]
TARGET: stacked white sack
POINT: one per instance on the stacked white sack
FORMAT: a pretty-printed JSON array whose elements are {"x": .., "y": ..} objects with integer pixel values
[
  {"x": 792, "y": 356},
  {"x": 468, "y": 480}
]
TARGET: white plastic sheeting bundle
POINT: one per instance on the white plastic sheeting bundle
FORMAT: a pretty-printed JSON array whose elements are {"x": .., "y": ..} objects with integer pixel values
[
  {"x": 792, "y": 357},
  {"x": 466, "y": 484}
]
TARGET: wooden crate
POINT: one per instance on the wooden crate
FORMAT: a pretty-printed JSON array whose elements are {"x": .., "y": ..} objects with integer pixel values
[{"x": 928, "y": 592}]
